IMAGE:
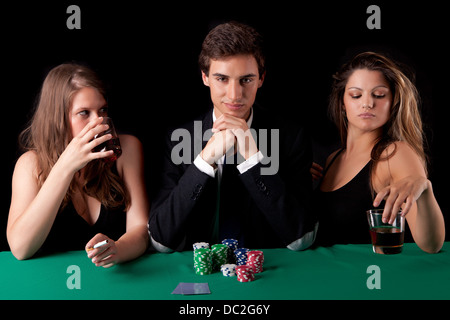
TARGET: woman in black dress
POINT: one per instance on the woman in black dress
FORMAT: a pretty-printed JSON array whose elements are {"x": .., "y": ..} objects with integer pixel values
[
  {"x": 375, "y": 107},
  {"x": 64, "y": 195}
]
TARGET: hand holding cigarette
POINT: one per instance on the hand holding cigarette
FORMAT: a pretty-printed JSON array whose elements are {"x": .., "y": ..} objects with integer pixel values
[
  {"x": 98, "y": 245},
  {"x": 102, "y": 251}
]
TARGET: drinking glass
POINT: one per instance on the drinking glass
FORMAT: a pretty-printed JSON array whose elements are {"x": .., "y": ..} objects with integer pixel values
[
  {"x": 386, "y": 238},
  {"x": 112, "y": 144}
]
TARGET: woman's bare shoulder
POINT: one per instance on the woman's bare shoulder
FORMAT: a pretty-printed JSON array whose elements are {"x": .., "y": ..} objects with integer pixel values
[
  {"x": 132, "y": 152},
  {"x": 401, "y": 160},
  {"x": 27, "y": 161},
  {"x": 331, "y": 157}
]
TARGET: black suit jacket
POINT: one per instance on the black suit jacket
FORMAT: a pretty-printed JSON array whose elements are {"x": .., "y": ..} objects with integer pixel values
[{"x": 261, "y": 211}]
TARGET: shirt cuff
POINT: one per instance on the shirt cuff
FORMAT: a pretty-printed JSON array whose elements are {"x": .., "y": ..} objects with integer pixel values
[
  {"x": 304, "y": 242},
  {"x": 250, "y": 162},
  {"x": 204, "y": 166}
]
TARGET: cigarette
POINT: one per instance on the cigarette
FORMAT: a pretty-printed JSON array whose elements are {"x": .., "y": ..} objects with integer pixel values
[{"x": 98, "y": 245}]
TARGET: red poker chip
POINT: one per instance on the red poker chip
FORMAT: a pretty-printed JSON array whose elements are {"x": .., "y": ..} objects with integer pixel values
[
  {"x": 245, "y": 273},
  {"x": 255, "y": 259}
]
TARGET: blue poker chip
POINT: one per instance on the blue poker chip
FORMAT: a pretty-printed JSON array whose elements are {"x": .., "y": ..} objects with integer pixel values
[
  {"x": 232, "y": 245},
  {"x": 241, "y": 256}
]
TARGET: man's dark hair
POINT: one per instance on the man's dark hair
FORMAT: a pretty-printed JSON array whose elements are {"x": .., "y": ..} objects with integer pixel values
[{"x": 230, "y": 39}]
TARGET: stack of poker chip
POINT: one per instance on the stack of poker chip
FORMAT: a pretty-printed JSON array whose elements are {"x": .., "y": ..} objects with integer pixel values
[
  {"x": 241, "y": 256},
  {"x": 228, "y": 270},
  {"x": 202, "y": 261},
  {"x": 219, "y": 255},
  {"x": 222, "y": 257},
  {"x": 232, "y": 245},
  {"x": 255, "y": 260},
  {"x": 245, "y": 273}
]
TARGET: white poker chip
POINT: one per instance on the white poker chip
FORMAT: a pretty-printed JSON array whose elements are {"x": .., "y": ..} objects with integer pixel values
[
  {"x": 228, "y": 270},
  {"x": 200, "y": 245}
]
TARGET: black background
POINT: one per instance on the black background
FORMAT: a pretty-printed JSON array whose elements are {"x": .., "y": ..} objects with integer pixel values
[{"x": 147, "y": 55}]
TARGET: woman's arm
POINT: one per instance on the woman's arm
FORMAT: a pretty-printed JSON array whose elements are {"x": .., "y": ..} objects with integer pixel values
[
  {"x": 135, "y": 241},
  {"x": 412, "y": 191},
  {"x": 33, "y": 210}
]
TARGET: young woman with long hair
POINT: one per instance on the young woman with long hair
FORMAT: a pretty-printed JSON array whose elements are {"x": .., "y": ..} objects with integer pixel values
[
  {"x": 375, "y": 107},
  {"x": 65, "y": 196}
]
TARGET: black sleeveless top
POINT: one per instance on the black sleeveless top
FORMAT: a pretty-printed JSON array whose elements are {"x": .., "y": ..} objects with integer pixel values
[
  {"x": 342, "y": 212},
  {"x": 71, "y": 232}
]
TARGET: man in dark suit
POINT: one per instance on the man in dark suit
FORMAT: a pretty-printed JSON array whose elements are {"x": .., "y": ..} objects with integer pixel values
[{"x": 219, "y": 180}]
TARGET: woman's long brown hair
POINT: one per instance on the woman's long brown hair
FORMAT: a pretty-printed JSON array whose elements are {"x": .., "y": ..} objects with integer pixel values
[
  {"x": 404, "y": 124},
  {"x": 49, "y": 133}
]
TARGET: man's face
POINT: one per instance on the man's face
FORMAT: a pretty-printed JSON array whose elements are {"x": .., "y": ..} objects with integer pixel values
[{"x": 233, "y": 82}]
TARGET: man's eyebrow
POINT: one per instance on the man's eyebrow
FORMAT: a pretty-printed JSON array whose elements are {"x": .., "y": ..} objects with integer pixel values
[
  {"x": 250, "y": 75},
  {"x": 220, "y": 75}
]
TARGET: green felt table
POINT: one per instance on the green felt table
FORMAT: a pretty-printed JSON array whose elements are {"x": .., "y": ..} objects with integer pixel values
[{"x": 338, "y": 272}]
